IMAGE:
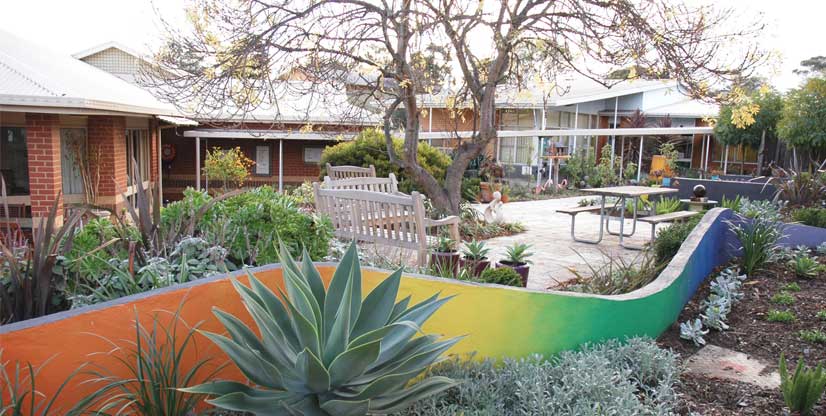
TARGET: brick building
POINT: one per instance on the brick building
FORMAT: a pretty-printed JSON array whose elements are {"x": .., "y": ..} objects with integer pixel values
[
  {"x": 284, "y": 141},
  {"x": 58, "y": 115},
  {"x": 582, "y": 114}
]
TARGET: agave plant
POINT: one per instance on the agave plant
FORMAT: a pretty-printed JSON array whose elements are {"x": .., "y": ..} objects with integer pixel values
[{"x": 327, "y": 353}]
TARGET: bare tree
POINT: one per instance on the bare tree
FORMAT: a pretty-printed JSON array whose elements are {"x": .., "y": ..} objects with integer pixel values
[{"x": 241, "y": 52}]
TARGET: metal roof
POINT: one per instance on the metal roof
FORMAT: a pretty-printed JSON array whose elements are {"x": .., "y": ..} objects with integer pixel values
[
  {"x": 566, "y": 92},
  {"x": 266, "y": 134},
  {"x": 644, "y": 131},
  {"x": 34, "y": 77}
]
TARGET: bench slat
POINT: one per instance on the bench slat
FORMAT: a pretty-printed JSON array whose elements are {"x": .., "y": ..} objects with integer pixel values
[
  {"x": 577, "y": 210},
  {"x": 671, "y": 216}
]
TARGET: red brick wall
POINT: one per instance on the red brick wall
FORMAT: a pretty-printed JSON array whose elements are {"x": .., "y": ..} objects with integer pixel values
[
  {"x": 109, "y": 133},
  {"x": 45, "y": 181}
]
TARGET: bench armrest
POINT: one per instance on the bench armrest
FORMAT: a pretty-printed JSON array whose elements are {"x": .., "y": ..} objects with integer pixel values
[
  {"x": 444, "y": 221},
  {"x": 452, "y": 221}
]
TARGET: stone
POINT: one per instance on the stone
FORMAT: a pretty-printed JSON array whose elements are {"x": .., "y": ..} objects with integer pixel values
[{"x": 718, "y": 362}]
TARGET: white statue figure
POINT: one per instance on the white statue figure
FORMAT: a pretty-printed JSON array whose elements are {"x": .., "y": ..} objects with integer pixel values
[{"x": 494, "y": 212}]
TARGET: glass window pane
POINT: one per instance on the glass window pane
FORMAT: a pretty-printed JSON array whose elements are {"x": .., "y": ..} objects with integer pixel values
[
  {"x": 73, "y": 157},
  {"x": 14, "y": 160}
]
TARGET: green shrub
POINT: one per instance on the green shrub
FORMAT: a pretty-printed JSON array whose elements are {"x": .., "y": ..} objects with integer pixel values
[
  {"x": 176, "y": 213},
  {"x": 816, "y": 217},
  {"x": 805, "y": 266},
  {"x": 501, "y": 276},
  {"x": 775, "y": 315},
  {"x": 670, "y": 239},
  {"x": 783, "y": 298},
  {"x": 758, "y": 238},
  {"x": 581, "y": 169},
  {"x": 732, "y": 204},
  {"x": 815, "y": 336},
  {"x": 635, "y": 378},
  {"x": 803, "y": 389},
  {"x": 821, "y": 314},
  {"x": 370, "y": 148},
  {"x": 471, "y": 187},
  {"x": 668, "y": 205},
  {"x": 87, "y": 258},
  {"x": 791, "y": 287},
  {"x": 248, "y": 225},
  {"x": 328, "y": 352}
]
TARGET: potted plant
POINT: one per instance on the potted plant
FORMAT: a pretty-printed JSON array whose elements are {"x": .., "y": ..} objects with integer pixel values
[
  {"x": 87, "y": 162},
  {"x": 715, "y": 174},
  {"x": 491, "y": 174},
  {"x": 475, "y": 258},
  {"x": 516, "y": 257},
  {"x": 669, "y": 155},
  {"x": 444, "y": 260}
]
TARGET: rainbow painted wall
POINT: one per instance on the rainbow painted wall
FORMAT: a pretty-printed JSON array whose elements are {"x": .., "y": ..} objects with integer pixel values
[{"x": 498, "y": 321}]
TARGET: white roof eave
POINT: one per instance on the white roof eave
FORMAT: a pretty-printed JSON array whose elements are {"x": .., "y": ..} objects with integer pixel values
[{"x": 81, "y": 103}]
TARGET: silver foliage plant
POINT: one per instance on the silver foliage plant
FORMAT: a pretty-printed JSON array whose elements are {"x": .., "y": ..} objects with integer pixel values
[
  {"x": 327, "y": 352},
  {"x": 726, "y": 290},
  {"x": 614, "y": 378}
]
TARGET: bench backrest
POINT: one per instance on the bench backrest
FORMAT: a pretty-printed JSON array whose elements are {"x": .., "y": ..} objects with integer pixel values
[
  {"x": 387, "y": 185},
  {"x": 396, "y": 220},
  {"x": 345, "y": 172}
]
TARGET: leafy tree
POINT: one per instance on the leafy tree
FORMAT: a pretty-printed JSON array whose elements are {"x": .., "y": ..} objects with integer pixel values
[
  {"x": 803, "y": 121},
  {"x": 751, "y": 121},
  {"x": 815, "y": 65},
  {"x": 236, "y": 53}
]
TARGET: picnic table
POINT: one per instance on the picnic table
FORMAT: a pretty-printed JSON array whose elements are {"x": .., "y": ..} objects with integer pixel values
[{"x": 623, "y": 193}]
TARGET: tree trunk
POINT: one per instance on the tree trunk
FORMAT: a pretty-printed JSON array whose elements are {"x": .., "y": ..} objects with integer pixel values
[{"x": 761, "y": 153}]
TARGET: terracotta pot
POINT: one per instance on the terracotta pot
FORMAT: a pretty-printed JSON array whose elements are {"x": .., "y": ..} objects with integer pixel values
[
  {"x": 474, "y": 267},
  {"x": 445, "y": 261},
  {"x": 521, "y": 268},
  {"x": 486, "y": 190}
]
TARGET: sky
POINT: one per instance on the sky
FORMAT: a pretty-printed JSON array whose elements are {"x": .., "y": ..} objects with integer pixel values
[{"x": 795, "y": 28}]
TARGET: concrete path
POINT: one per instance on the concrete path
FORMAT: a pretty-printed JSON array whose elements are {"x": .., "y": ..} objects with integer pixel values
[{"x": 550, "y": 235}]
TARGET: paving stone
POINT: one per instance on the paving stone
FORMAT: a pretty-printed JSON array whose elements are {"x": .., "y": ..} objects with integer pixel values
[
  {"x": 549, "y": 233},
  {"x": 717, "y": 362}
]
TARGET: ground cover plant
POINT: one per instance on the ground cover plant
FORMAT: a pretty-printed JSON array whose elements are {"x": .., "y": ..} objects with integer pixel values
[{"x": 632, "y": 378}]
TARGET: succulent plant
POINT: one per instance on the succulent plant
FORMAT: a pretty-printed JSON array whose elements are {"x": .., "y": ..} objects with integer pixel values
[
  {"x": 327, "y": 352},
  {"x": 805, "y": 266},
  {"x": 693, "y": 331},
  {"x": 475, "y": 250},
  {"x": 518, "y": 254}
]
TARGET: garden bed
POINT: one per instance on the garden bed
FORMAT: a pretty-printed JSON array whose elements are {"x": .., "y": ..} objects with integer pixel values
[{"x": 752, "y": 333}]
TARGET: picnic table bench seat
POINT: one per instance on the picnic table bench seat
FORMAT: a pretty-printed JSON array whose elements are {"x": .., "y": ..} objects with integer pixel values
[
  {"x": 666, "y": 218},
  {"x": 578, "y": 210}
]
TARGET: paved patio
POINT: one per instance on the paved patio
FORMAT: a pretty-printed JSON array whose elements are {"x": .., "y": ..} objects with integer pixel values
[{"x": 555, "y": 253}]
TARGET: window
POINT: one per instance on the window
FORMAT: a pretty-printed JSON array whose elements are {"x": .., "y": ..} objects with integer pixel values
[
  {"x": 312, "y": 154},
  {"x": 516, "y": 150},
  {"x": 262, "y": 160},
  {"x": 14, "y": 160},
  {"x": 137, "y": 152},
  {"x": 73, "y": 155}
]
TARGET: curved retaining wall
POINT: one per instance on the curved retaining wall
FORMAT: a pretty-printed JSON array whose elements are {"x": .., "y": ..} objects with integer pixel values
[{"x": 498, "y": 321}]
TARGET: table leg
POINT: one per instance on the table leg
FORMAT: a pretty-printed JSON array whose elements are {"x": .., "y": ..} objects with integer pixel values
[
  {"x": 601, "y": 224},
  {"x": 633, "y": 224}
]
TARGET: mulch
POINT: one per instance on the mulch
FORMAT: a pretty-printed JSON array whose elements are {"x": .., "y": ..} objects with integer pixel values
[{"x": 752, "y": 334}]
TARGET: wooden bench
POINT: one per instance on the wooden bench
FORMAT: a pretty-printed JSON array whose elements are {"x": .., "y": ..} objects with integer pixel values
[
  {"x": 387, "y": 185},
  {"x": 347, "y": 172},
  {"x": 395, "y": 220},
  {"x": 665, "y": 218}
]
